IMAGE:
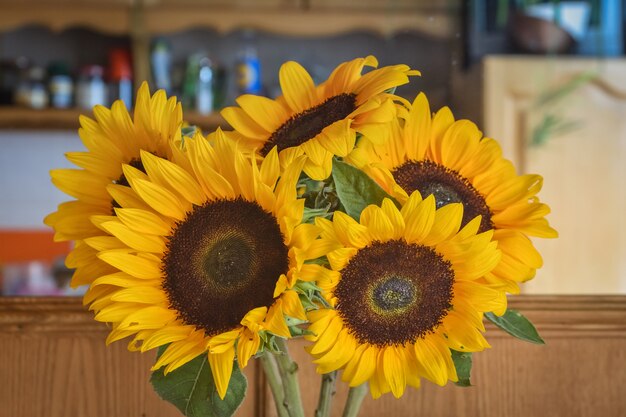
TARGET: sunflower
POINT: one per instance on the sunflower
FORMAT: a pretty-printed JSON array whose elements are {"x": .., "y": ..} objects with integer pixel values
[
  {"x": 208, "y": 262},
  {"x": 452, "y": 161},
  {"x": 319, "y": 121},
  {"x": 404, "y": 291},
  {"x": 112, "y": 140}
]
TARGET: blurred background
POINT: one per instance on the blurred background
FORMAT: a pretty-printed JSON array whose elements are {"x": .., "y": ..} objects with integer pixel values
[{"x": 545, "y": 78}]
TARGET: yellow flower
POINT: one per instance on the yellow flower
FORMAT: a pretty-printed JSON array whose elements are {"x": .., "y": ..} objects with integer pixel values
[
  {"x": 112, "y": 139},
  {"x": 452, "y": 161},
  {"x": 404, "y": 291},
  {"x": 208, "y": 261},
  {"x": 319, "y": 121}
]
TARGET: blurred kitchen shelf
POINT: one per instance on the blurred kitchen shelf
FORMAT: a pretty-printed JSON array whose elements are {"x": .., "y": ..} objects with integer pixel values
[
  {"x": 25, "y": 118},
  {"x": 284, "y": 17},
  {"x": 206, "y": 122}
]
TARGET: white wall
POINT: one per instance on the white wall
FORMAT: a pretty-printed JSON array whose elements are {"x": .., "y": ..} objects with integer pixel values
[{"x": 26, "y": 192}]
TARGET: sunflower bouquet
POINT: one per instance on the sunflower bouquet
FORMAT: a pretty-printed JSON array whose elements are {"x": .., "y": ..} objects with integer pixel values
[{"x": 340, "y": 213}]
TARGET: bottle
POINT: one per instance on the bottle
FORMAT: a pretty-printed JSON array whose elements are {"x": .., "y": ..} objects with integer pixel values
[
  {"x": 121, "y": 77},
  {"x": 38, "y": 96},
  {"x": 60, "y": 85},
  {"x": 248, "y": 65},
  {"x": 190, "y": 83},
  {"x": 162, "y": 65},
  {"x": 204, "y": 87},
  {"x": 91, "y": 89},
  {"x": 21, "y": 93}
]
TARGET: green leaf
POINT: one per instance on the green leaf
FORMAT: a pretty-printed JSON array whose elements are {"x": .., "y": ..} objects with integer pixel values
[
  {"x": 192, "y": 390},
  {"x": 514, "y": 323},
  {"x": 463, "y": 364},
  {"x": 355, "y": 189}
]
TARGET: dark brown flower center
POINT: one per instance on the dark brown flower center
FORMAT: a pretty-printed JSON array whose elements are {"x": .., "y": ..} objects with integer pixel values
[
  {"x": 222, "y": 261},
  {"x": 392, "y": 293},
  {"x": 308, "y": 124},
  {"x": 447, "y": 186}
]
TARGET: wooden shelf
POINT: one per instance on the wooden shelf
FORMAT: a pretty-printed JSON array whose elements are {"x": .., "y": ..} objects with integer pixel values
[
  {"x": 111, "y": 18},
  {"x": 25, "y": 118},
  {"x": 207, "y": 123},
  {"x": 125, "y": 17},
  {"x": 164, "y": 19}
]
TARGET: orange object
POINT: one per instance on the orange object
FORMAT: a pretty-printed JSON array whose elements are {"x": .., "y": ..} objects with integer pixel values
[
  {"x": 30, "y": 245},
  {"x": 120, "y": 67}
]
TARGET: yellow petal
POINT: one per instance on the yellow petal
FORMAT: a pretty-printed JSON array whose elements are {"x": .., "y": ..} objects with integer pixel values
[
  {"x": 297, "y": 86},
  {"x": 446, "y": 224},
  {"x": 338, "y": 138},
  {"x": 222, "y": 369},
  {"x": 153, "y": 317},
  {"x": 174, "y": 176},
  {"x": 417, "y": 132},
  {"x": 241, "y": 122},
  {"x": 132, "y": 264},
  {"x": 378, "y": 224},
  {"x": 292, "y": 306},
  {"x": 270, "y": 168},
  {"x": 339, "y": 258},
  {"x": 365, "y": 368},
  {"x": 268, "y": 113},
  {"x": 135, "y": 240},
  {"x": 275, "y": 322},
  {"x": 143, "y": 221},
  {"x": 166, "y": 335},
  {"x": 420, "y": 220},
  {"x": 338, "y": 355},
  {"x": 126, "y": 197},
  {"x": 393, "y": 369},
  {"x": 247, "y": 345},
  {"x": 328, "y": 336},
  {"x": 140, "y": 294},
  {"x": 254, "y": 317},
  {"x": 160, "y": 199},
  {"x": 393, "y": 214},
  {"x": 430, "y": 363}
]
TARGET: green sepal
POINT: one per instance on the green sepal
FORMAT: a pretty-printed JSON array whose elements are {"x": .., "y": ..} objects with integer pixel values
[
  {"x": 268, "y": 343},
  {"x": 322, "y": 260},
  {"x": 319, "y": 195},
  {"x": 515, "y": 324},
  {"x": 310, "y": 295},
  {"x": 188, "y": 131},
  {"x": 391, "y": 90},
  {"x": 295, "y": 327},
  {"x": 192, "y": 390},
  {"x": 463, "y": 364},
  {"x": 310, "y": 214},
  {"x": 355, "y": 189}
]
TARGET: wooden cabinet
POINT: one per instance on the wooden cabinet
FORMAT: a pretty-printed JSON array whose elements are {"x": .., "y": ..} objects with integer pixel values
[
  {"x": 583, "y": 165},
  {"x": 54, "y": 355}
]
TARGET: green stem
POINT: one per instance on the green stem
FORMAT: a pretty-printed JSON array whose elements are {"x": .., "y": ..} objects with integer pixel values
[
  {"x": 327, "y": 391},
  {"x": 276, "y": 386},
  {"x": 289, "y": 372},
  {"x": 354, "y": 401}
]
